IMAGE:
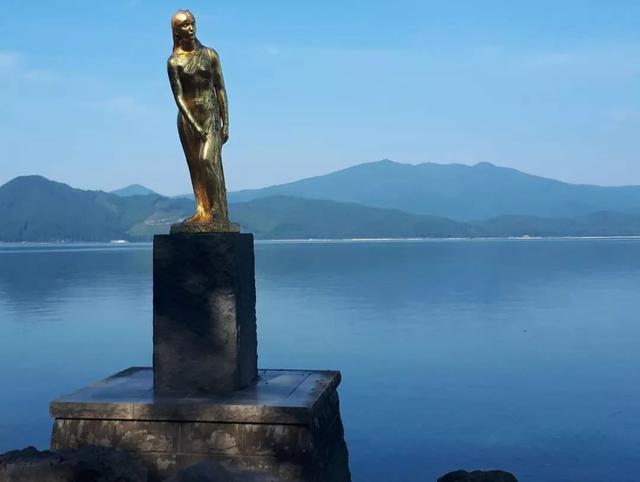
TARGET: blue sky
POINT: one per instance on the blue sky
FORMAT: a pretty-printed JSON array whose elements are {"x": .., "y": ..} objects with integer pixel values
[{"x": 548, "y": 87}]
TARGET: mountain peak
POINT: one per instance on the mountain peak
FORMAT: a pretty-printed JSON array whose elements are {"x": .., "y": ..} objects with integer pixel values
[
  {"x": 134, "y": 190},
  {"x": 381, "y": 162},
  {"x": 484, "y": 164},
  {"x": 31, "y": 181},
  {"x": 29, "y": 178}
]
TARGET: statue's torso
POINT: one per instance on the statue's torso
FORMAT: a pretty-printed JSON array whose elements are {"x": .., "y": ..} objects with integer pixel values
[{"x": 196, "y": 71}]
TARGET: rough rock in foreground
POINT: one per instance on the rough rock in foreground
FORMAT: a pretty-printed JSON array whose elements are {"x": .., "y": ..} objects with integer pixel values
[
  {"x": 105, "y": 465},
  {"x": 84, "y": 465},
  {"x": 478, "y": 476}
]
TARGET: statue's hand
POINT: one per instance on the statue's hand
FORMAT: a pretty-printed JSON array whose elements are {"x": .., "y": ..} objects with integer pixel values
[{"x": 225, "y": 134}]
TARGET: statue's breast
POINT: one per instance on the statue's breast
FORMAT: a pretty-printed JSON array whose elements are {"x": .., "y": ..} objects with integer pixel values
[{"x": 197, "y": 70}]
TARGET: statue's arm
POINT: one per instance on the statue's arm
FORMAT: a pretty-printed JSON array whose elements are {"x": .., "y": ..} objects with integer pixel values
[
  {"x": 221, "y": 94},
  {"x": 176, "y": 87}
]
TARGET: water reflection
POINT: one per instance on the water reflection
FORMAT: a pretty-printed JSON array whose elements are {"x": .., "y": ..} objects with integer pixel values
[
  {"x": 34, "y": 277},
  {"x": 513, "y": 354}
]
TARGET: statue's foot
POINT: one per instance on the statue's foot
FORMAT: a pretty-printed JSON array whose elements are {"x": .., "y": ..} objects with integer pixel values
[
  {"x": 204, "y": 224},
  {"x": 198, "y": 219}
]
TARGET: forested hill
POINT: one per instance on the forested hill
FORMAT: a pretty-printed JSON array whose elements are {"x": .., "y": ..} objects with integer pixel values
[{"x": 33, "y": 208}]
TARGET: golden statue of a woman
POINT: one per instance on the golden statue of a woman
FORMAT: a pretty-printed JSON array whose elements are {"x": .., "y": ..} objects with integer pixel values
[{"x": 196, "y": 79}]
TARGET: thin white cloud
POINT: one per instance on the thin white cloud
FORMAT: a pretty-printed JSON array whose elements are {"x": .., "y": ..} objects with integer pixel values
[
  {"x": 551, "y": 59},
  {"x": 616, "y": 60},
  {"x": 623, "y": 116},
  {"x": 15, "y": 65},
  {"x": 272, "y": 50},
  {"x": 9, "y": 60},
  {"x": 122, "y": 105}
]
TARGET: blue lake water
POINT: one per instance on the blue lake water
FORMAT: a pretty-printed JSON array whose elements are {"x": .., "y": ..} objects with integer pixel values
[{"x": 522, "y": 355}]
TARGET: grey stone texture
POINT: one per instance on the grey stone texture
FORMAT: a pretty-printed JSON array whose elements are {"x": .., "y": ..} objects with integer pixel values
[
  {"x": 204, "y": 319},
  {"x": 284, "y": 427},
  {"x": 478, "y": 476}
]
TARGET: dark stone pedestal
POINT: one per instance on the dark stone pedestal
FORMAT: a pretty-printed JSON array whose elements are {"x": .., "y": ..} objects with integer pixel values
[
  {"x": 205, "y": 399},
  {"x": 204, "y": 318},
  {"x": 285, "y": 427}
]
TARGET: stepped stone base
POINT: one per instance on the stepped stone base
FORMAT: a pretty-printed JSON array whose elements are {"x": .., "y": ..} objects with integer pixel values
[{"x": 285, "y": 427}]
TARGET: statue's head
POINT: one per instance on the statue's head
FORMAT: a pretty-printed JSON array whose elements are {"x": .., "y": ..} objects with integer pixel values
[{"x": 183, "y": 25}]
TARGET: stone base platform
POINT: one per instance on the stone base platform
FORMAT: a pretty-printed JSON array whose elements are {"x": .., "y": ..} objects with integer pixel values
[
  {"x": 206, "y": 228},
  {"x": 285, "y": 427}
]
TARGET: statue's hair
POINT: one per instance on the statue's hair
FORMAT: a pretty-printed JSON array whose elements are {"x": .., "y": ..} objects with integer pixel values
[{"x": 175, "y": 21}]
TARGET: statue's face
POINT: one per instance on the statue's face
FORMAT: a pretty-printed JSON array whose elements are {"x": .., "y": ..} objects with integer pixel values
[{"x": 186, "y": 28}]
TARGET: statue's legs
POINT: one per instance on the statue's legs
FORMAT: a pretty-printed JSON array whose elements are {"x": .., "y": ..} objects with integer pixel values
[
  {"x": 204, "y": 159},
  {"x": 194, "y": 150},
  {"x": 217, "y": 192}
]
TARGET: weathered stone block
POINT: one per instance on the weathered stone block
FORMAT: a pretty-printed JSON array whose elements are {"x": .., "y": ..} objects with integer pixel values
[
  {"x": 277, "y": 440},
  {"x": 211, "y": 438},
  {"x": 159, "y": 464},
  {"x": 284, "y": 427},
  {"x": 142, "y": 436},
  {"x": 80, "y": 433},
  {"x": 204, "y": 321}
]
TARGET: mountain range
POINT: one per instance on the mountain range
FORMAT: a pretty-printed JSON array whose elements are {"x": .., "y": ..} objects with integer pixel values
[
  {"x": 381, "y": 199},
  {"x": 463, "y": 193}
]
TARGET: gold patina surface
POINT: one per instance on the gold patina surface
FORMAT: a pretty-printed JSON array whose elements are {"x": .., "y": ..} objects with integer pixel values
[{"x": 195, "y": 74}]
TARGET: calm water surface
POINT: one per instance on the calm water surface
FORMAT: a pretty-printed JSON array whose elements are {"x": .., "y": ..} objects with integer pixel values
[{"x": 522, "y": 355}]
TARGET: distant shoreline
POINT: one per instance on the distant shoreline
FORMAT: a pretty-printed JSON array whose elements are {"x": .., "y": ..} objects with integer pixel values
[
  {"x": 102, "y": 244},
  {"x": 477, "y": 238}
]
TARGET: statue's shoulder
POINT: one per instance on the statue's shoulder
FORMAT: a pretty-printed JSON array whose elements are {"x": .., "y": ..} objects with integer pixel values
[
  {"x": 212, "y": 54},
  {"x": 173, "y": 61}
]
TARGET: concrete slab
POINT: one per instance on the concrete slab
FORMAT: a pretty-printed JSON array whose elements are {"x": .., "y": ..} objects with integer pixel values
[{"x": 278, "y": 397}]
